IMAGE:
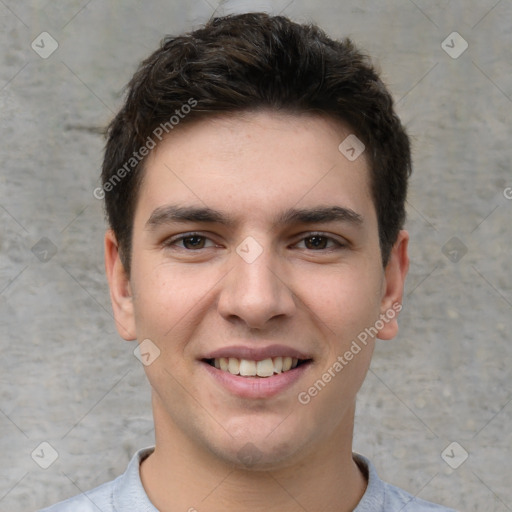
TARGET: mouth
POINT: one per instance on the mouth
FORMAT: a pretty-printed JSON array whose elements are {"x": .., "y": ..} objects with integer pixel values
[
  {"x": 264, "y": 368},
  {"x": 262, "y": 372}
]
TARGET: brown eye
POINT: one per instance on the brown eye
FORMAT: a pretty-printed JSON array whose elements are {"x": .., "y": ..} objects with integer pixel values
[
  {"x": 319, "y": 242},
  {"x": 189, "y": 242},
  {"x": 316, "y": 242},
  {"x": 193, "y": 242}
]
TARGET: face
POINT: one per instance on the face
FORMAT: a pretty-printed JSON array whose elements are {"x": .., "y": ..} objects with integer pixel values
[{"x": 255, "y": 247}]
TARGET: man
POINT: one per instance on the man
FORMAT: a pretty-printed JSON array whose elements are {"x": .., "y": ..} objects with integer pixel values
[{"x": 254, "y": 181}]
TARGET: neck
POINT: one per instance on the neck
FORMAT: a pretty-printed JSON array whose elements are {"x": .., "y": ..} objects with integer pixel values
[{"x": 180, "y": 475}]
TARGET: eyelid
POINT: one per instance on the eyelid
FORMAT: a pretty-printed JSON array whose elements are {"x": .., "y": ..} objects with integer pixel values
[
  {"x": 340, "y": 241},
  {"x": 171, "y": 241},
  {"x": 319, "y": 233}
]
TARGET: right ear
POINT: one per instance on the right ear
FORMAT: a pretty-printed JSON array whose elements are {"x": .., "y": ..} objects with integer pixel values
[{"x": 121, "y": 295}]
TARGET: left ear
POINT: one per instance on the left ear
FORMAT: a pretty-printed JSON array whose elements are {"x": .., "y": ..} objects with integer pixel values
[{"x": 393, "y": 288}]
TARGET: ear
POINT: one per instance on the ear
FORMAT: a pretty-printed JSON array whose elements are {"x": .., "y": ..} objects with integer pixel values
[
  {"x": 393, "y": 287},
  {"x": 121, "y": 295}
]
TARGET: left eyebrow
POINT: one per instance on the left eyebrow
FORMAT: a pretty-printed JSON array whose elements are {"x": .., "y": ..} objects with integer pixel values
[{"x": 321, "y": 214}]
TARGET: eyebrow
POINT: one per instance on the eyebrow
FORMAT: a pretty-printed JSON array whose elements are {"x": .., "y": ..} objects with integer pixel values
[{"x": 173, "y": 214}]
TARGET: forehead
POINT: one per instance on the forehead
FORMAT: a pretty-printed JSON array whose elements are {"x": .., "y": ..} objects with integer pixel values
[{"x": 256, "y": 162}]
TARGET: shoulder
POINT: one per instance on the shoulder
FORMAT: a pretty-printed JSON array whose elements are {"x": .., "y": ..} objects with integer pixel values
[
  {"x": 398, "y": 499},
  {"x": 122, "y": 494},
  {"x": 99, "y": 498},
  {"x": 381, "y": 496}
]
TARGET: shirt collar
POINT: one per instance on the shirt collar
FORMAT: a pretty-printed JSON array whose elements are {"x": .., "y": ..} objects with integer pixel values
[
  {"x": 373, "y": 498},
  {"x": 128, "y": 493}
]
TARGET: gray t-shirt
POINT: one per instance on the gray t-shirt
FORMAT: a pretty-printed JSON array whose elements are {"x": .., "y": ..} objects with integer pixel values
[{"x": 126, "y": 494}]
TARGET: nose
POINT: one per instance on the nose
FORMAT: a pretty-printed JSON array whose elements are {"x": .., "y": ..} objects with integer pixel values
[{"x": 256, "y": 292}]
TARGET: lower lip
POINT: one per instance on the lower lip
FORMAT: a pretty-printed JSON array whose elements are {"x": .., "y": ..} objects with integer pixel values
[{"x": 257, "y": 387}]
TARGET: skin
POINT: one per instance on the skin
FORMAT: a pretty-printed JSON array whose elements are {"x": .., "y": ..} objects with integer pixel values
[{"x": 190, "y": 297}]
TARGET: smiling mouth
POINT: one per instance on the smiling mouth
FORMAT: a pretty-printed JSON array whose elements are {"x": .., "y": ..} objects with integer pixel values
[{"x": 249, "y": 368}]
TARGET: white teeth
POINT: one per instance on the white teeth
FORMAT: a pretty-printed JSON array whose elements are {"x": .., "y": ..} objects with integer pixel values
[
  {"x": 247, "y": 368},
  {"x": 265, "y": 368},
  {"x": 234, "y": 366}
]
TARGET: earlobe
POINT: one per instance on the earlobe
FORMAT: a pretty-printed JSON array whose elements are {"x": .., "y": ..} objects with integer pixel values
[
  {"x": 121, "y": 295},
  {"x": 394, "y": 281}
]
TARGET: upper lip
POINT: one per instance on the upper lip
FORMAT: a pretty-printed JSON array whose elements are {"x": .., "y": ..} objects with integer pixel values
[{"x": 256, "y": 354}]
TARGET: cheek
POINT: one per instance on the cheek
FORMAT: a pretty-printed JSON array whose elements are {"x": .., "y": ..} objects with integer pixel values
[
  {"x": 346, "y": 301},
  {"x": 165, "y": 290},
  {"x": 161, "y": 301}
]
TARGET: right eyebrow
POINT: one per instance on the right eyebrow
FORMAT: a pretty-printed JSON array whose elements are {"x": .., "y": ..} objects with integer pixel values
[{"x": 174, "y": 213}]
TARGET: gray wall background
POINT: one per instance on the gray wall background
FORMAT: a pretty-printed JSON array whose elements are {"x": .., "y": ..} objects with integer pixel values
[{"x": 67, "y": 379}]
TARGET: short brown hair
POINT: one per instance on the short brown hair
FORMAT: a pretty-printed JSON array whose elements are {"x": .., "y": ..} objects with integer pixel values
[{"x": 247, "y": 62}]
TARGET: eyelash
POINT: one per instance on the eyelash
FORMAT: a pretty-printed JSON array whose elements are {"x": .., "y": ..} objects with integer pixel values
[{"x": 339, "y": 245}]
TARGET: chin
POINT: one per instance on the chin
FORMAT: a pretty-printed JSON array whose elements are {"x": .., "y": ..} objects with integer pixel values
[
  {"x": 251, "y": 458},
  {"x": 262, "y": 450}
]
